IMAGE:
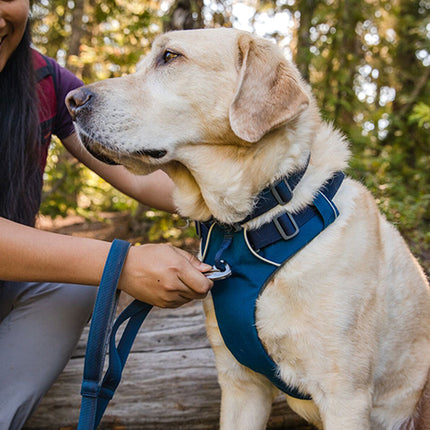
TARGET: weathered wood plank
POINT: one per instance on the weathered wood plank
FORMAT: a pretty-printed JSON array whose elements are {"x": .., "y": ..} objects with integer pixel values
[{"x": 169, "y": 382}]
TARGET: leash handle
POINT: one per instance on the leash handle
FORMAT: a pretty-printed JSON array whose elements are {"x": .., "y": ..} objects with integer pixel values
[
  {"x": 95, "y": 393},
  {"x": 135, "y": 314}
]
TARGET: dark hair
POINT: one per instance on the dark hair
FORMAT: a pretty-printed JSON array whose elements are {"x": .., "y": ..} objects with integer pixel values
[{"x": 20, "y": 144}]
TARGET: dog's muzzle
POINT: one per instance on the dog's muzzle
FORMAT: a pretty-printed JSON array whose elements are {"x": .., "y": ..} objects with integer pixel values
[
  {"x": 92, "y": 149},
  {"x": 78, "y": 101}
]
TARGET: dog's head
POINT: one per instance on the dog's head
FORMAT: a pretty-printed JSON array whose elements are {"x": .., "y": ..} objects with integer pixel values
[{"x": 218, "y": 86}]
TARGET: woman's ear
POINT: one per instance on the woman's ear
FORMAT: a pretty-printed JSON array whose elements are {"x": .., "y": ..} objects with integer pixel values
[{"x": 269, "y": 92}]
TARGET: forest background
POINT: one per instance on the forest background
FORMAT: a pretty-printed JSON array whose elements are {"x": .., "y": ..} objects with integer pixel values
[{"x": 368, "y": 62}]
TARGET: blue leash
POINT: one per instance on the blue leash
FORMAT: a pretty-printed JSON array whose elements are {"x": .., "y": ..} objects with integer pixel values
[{"x": 96, "y": 393}]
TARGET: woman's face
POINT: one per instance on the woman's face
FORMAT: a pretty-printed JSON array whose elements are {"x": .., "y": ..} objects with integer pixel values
[{"x": 13, "y": 20}]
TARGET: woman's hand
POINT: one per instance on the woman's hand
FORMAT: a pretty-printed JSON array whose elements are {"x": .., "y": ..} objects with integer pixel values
[
  {"x": 160, "y": 275},
  {"x": 164, "y": 276}
]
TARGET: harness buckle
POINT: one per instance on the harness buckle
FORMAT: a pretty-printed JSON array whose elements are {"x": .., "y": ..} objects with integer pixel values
[
  {"x": 231, "y": 228},
  {"x": 287, "y": 193},
  {"x": 281, "y": 226}
]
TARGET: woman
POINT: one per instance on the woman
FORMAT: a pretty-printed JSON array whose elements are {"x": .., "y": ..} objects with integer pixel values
[{"x": 48, "y": 292}]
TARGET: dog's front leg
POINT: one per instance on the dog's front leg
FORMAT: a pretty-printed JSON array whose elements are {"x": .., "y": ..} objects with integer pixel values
[
  {"x": 346, "y": 411},
  {"x": 245, "y": 402},
  {"x": 246, "y": 397}
]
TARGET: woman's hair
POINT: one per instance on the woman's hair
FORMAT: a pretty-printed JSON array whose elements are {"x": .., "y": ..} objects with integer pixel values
[{"x": 20, "y": 145}]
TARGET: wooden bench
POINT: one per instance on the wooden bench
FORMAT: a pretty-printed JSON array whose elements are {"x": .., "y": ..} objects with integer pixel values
[{"x": 169, "y": 382}]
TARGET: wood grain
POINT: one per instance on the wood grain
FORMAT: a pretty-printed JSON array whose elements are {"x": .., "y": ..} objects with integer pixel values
[{"x": 169, "y": 382}]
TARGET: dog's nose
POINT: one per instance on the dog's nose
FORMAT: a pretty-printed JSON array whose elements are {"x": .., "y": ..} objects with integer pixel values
[{"x": 77, "y": 100}]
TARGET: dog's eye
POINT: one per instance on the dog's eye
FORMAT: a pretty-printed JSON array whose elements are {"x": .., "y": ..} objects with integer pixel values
[{"x": 168, "y": 56}]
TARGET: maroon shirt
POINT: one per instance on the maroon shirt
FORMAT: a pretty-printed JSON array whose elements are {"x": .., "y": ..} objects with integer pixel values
[{"x": 54, "y": 83}]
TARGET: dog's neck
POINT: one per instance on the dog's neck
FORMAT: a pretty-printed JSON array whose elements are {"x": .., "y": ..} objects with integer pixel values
[{"x": 222, "y": 181}]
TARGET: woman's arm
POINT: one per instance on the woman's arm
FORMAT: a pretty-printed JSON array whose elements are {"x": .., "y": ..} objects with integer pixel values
[
  {"x": 154, "y": 190},
  {"x": 158, "y": 274}
]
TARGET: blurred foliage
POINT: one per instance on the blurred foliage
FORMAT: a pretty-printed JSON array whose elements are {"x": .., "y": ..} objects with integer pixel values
[
  {"x": 171, "y": 228},
  {"x": 72, "y": 188},
  {"x": 368, "y": 62}
]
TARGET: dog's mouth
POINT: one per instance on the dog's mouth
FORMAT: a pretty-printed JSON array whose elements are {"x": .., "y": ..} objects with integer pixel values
[
  {"x": 95, "y": 149},
  {"x": 108, "y": 155},
  {"x": 153, "y": 153}
]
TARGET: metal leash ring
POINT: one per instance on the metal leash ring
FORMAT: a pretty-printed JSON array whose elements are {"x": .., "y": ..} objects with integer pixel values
[{"x": 216, "y": 274}]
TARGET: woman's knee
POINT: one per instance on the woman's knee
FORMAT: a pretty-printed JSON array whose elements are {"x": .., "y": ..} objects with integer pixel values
[
  {"x": 71, "y": 301},
  {"x": 68, "y": 305}
]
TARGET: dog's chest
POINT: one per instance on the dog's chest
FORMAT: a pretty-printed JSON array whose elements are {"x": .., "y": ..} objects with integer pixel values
[{"x": 287, "y": 318}]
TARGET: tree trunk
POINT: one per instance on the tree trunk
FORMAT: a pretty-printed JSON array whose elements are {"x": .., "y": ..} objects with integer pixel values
[
  {"x": 77, "y": 33},
  {"x": 185, "y": 15},
  {"x": 349, "y": 55},
  {"x": 303, "y": 56}
]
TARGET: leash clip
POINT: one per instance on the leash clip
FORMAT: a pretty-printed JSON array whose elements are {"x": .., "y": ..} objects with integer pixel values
[{"x": 216, "y": 274}]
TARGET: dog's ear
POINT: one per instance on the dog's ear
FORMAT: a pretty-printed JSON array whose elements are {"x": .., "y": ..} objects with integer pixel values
[{"x": 268, "y": 94}]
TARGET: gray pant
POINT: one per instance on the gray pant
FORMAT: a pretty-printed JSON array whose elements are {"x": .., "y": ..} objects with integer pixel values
[{"x": 40, "y": 324}]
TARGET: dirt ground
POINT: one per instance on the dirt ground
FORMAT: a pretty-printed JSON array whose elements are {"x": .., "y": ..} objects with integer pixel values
[{"x": 108, "y": 226}]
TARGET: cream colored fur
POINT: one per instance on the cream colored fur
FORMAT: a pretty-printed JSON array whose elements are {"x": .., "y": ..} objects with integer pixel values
[{"x": 347, "y": 319}]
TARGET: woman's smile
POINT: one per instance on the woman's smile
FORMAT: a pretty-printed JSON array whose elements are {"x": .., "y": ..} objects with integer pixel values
[{"x": 13, "y": 20}]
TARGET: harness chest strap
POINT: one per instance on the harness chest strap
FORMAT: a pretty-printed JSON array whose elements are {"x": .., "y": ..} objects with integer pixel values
[{"x": 254, "y": 258}]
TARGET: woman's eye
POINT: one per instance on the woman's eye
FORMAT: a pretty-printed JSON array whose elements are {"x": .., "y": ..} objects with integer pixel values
[{"x": 168, "y": 56}]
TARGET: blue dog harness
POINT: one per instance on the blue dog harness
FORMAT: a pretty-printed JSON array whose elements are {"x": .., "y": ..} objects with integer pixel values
[{"x": 254, "y": 256}]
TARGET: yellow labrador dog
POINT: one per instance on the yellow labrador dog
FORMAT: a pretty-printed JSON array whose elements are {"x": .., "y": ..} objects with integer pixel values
[{"x": 347, "y": 318}]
